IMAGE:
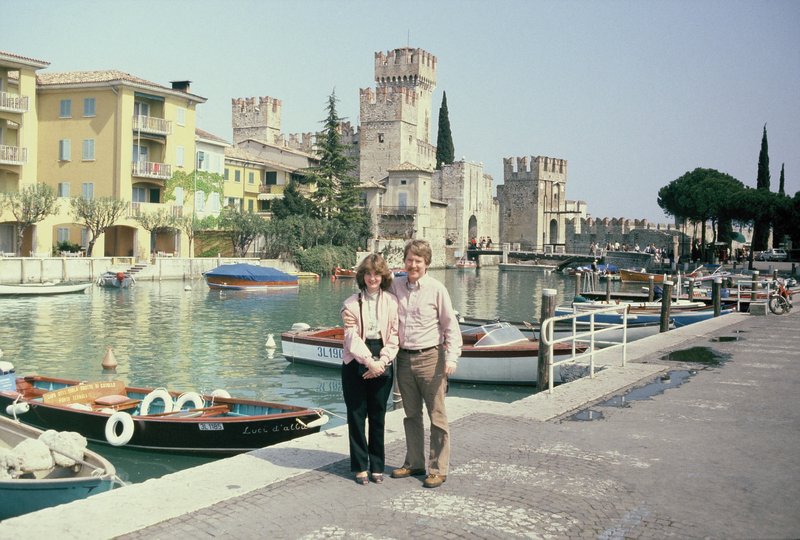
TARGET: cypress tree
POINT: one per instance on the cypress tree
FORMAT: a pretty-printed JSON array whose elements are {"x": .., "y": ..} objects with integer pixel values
[
  {"x": 779, "y": 223},
  {"x": 445, "y": 154},
  {"x": 761, "y": 226}
]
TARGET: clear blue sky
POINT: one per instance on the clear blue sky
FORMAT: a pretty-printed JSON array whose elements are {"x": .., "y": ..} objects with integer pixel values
[{"x": 633, "y": 93}]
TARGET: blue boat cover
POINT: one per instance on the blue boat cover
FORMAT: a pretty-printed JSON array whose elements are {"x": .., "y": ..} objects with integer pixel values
[{"x": 251, "y": 272}]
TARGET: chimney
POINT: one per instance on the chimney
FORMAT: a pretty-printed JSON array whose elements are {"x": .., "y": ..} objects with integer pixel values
[{"x": 181, "y": 86}]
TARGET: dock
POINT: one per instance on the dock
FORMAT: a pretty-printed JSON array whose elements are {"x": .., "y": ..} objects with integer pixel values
[{"x": 706, "y": 450}]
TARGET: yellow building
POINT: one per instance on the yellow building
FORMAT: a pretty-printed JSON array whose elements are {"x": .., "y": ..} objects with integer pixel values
[
  {"x": 19, "y": 130},
  {"x": 98, "y": 134}
]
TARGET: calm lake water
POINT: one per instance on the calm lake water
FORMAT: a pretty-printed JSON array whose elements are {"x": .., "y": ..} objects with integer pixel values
[{"x": 200, "y": 340}]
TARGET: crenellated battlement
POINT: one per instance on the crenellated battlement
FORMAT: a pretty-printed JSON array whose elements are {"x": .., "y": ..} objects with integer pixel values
[
  {"x": 533, "y": 167},
  {"x": 256, "y": 118},
  {"x": 406, "y": 67},
  {"x": 388, "y": 94}
]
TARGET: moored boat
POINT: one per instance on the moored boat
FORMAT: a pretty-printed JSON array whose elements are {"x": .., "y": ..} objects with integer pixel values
[
  {"x": 495, "y": 353},
  {"x": 116, "y": 280},
  {"x": 47, "y": 477},
  {"x": 339, "y": 272},
  {"x": 38, "y": 289},
  {"x": 242, "y": 276},
  {"x": 108, "y": 412}
]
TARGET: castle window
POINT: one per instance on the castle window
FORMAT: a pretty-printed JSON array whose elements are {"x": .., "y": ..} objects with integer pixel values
[{"x": 380, "y": 137}]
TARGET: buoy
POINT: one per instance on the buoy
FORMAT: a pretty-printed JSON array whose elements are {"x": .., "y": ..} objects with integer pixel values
[
  {"x": 17, "y": 408},
  {"x": 270, "y": 342},
  {"x": 187, "y": 288},
  {"x": 109, "y": 360}
]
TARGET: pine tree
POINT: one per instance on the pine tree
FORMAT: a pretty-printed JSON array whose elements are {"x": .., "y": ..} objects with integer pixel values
[
  {"x": 445, "y": 153},
  {"x": 761, "y": 226},
  {"x": 334, "y": 165}
]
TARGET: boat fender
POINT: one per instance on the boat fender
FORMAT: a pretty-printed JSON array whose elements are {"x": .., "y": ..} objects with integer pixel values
[
  {"x": 189, "y": 397},
  {"x": 158, "y": 393},
  {"x": 300, "y": 326},
  {"x": 17, "y": 408},
  {"x": 220, "y": 392},
  {"x": 319, "y": 422},
  {"x": 119, "y": 418}
]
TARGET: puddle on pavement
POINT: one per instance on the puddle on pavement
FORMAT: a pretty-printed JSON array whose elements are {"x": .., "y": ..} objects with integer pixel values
[
  {"x": 671, "y": 379},
  {"x": 700, "y": 355}
]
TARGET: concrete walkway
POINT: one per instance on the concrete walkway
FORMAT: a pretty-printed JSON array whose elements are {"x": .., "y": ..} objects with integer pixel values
[{"x": 713, "y": 457}]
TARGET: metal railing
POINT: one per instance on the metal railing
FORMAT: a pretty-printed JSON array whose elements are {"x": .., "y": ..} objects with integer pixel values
[
  {"x": 589, "y": 336},
  {"x": 752, "y": 291},
  {"x": 151, "y": 169},
  {"x": 13, "y": 102},
  {"x": 151, "y": 124},
  {"x": 13, "y": 155}
]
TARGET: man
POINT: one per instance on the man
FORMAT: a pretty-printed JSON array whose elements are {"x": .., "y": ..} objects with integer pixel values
[{"x": 430, "y": 345}]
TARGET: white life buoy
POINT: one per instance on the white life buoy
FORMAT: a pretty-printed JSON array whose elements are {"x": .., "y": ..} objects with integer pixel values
[
  {"x": 189, "y": 397},
  {"x": 124, "y": 437},
  {"x": 220, "y": 392},
  {"x": 158, "y": 393}
]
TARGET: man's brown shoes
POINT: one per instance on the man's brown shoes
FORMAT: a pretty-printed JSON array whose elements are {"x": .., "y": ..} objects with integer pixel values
[
  {"x": 434, "y": 480},
  {"x": 405, "y": 472}
]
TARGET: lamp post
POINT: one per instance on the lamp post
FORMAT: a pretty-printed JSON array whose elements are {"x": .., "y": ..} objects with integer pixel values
[{"x": 198, "y": 165}]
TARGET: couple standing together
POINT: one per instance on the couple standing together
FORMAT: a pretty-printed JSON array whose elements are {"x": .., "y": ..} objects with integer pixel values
[{"x": 408, "y": 322}]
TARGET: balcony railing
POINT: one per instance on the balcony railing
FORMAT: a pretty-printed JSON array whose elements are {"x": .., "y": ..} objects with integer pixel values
[
  {"x": 13, "y": 155},
  {"x": 150, "y": 169},
  {"x": 151, "y": 124},
  {"x": 139, "y": 208},
  {"x": 397, "y": 210},
  {"x": 13, "y": 102}
]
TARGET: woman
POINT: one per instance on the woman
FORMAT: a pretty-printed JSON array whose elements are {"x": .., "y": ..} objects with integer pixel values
[{"x": 370, "y": 346}]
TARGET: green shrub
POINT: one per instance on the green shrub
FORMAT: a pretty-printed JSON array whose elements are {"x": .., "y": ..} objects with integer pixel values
[
  {"x": 322, "y": 259},
  {"x": 66, "y": 246}
]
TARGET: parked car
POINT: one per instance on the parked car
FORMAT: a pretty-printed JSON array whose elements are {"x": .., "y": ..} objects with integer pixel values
[{"x": 772, "y": 254}]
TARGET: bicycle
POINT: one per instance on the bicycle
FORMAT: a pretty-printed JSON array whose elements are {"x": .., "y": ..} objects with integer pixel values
[{"x": 780, "y": 299}]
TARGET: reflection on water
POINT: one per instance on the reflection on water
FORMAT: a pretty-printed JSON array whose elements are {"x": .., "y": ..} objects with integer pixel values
[{"x": 198, "y": 339}]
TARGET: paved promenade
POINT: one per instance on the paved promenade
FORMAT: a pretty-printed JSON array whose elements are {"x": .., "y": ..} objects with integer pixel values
[{"x": 715, "y": 455}]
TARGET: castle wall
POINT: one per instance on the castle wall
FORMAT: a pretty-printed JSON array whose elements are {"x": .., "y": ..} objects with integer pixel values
[
  {"x": 253, "y": 119},
  {"x": 472, "y": 210}
]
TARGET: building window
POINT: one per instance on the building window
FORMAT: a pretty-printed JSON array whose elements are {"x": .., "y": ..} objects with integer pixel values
[
  {"x": 64, "y": 150},
  {"x": 89, "y": 107},
  {"x": 271, "y": 178},
  {"x": 200, "y": 201},
  {"x": 180, "y": 116},
  {"x": 87, "y": 190},
  {"x": 237, "y": 176},
  {"x": 139, "y": 195},
  {"x": 213, "y": 202},
  {"x": 88, "y": 150},
  {"x": 85, "y": 238},
  {"x": 251, "y": 177},
  {"x": 225, "y": 175},
  {"x": 380, "y": 137},
  {"x": 65, "y": 109},
  {"x": 179, "y": 196},
  {"x": 63, "y": 234},
  {"x": 63, "y": 189},
  {"x": 179, "y": 156},
  {"x": 250, "y": 206}
]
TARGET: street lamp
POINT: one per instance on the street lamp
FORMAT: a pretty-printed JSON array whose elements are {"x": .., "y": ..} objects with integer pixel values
[{"x": 198, "y": 165}]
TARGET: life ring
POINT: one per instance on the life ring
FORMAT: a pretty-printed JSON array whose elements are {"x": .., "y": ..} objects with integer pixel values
[
  {"x": 220, "y": 392},
  {"x": 189, "y": 397},
  {"x": 158, "y": 393},
  {"x": 126, "y": 421}
]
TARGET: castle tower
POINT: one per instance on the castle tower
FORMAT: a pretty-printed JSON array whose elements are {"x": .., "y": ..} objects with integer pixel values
[
  {"x": 251, "y": 120},
  {"x": 396, "y": 115}
]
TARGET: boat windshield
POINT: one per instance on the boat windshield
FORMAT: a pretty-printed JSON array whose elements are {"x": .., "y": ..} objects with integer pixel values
[{"x": 497, "y": 335}]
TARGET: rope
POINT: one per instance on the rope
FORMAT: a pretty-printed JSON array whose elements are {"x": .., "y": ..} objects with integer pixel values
[{"x": 320, "y": 410}]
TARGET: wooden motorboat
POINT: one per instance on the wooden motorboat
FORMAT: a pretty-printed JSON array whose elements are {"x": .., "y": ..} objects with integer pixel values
[
  {"x": 108, "y": 412},
  {"x": 243, "y": 276},
  {"x": 116, "y": 280},
  {"x": 31, "y": 289},
  {"x": 61, "y": 480},
  {"x": 495, "y": 353},
  {"x": 465, "y": 263},
  {"x": 339, "y": 272}
]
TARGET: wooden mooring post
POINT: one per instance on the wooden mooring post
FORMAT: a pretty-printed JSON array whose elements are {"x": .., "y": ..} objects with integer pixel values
[
  {"x": 754, "y": 285},
  {"x": 608, "y": 289},
  {"x": 578, "y": 277},
  {"x": 548, "y": 311},
  {"x": 651, "y": 289},
  {"x": 716, "y": 294},
  {"x": 666, "y": 301},
  {"x": 690, "y": 292}
]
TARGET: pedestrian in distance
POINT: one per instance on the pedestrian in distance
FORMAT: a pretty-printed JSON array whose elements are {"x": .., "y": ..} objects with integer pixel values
[
  {"x": 370, "y": 346},
  {"x": 430, "y": 345}
]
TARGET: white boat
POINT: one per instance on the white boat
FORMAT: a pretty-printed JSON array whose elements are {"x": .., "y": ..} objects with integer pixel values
[
  {"x": 116, "y": 280},
  {"x": 497, "y": 353},
  {"x": 31, "y": 289}
]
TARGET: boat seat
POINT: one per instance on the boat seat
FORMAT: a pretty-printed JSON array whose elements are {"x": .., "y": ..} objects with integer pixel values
[{"x": 116, "y": 402}]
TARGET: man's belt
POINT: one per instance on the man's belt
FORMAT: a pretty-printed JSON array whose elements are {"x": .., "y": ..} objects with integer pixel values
[{"x": 417, "y": 351}]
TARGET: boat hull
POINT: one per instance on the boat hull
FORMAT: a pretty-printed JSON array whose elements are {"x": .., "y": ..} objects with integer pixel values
[
  {"x": 245, "y": 285},
  {"x": 39, "y": 289},
  {"x": 36, "y": 491},
  {"x": 249, "y": 425},
  {"x": 515, "y": 364}
]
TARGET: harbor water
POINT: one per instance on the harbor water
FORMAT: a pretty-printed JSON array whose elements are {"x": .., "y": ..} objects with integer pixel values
[{"x": 186, "y": 337}]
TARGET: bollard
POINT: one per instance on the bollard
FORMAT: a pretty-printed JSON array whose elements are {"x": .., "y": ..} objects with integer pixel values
[
  {"x": 753, "y": 286},
  {"x": 651, "y": 280},
  {"x": 716, "y": 291},
  {"x": 548, "y": 311},
  {"x": 608, "y": 289},
  {"x": 774, "y": 274},
  {"x": 690, "y": 293},
  {"x": 578, "y": 276},
  {"x": 666, "y": 300}
]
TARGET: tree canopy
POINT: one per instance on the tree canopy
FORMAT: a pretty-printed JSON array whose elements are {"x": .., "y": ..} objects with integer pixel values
[
  {"x": 445, "y": 152},
  {"x": 30, "y": 206},
  {"x": 97, "y": 215}
]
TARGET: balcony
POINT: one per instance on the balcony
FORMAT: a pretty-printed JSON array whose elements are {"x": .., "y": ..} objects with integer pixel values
[
  {"x": 269, "y": 192},
  {"x": 139, "y": 208},
  {"x": 13, "y": 155},
  {"x": 13, "y": 103},
  {"x": 151, "y": 124},
  {"x": 397, "y": 210},
  {"x": 150, "y": 169}
]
